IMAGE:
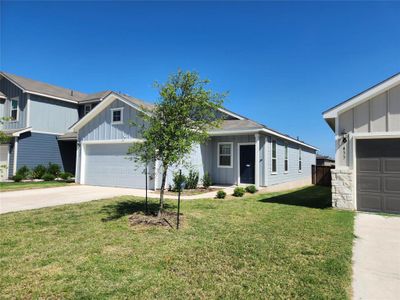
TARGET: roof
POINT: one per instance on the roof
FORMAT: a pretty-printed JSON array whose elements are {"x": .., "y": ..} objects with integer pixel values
[
  {"x": 2, "y": 95},
  {"x": 16, "y": 132},
  {"x": 363, "y": 96},
  {"x": 96, "y": 96},
  {"x": 69, "y": 136},
  {"x": 325, "y": 157},
  {"x": 238, "y": 124},
  {"x": 42, "y": 88}
]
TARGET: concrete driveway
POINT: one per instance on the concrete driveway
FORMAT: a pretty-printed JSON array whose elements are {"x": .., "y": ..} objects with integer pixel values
[
  {"x": 37, "y": 198},
  {"x": 376, "y": 257}
]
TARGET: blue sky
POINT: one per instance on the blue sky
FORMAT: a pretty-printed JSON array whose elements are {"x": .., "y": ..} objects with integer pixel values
[{"x": 282, "y": 63}]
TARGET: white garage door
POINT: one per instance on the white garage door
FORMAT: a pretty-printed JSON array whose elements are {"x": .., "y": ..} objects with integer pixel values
[{"x": 108, "y": 165}]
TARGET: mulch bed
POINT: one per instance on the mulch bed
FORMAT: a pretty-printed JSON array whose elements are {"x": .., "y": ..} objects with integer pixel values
[{"x": 168, "y": 219}]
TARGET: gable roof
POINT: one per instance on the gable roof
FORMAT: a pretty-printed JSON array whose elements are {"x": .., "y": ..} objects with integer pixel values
[
  {"x": 2, "y": 96},
  {"x": 362, "y": 97}
]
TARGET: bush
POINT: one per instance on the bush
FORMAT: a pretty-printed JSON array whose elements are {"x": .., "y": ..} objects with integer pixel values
[
  {"x": 239, "y": 192},
  {"x": 38, "y": 172},
  {"x": 24, "y": 172},
  {"x": 66, "y": 175},
  {"x": 221, "y": 195},
  {"x": 251, "y": 189},
  {"x": 192, "y": 179},
  {"x": 207, "y": 180},
  {"x": 17, "y": 178},
  {"x": 48, "y": 177},
  {"x": 54, "y": 169},
  {"x": 178, "y": 180}
]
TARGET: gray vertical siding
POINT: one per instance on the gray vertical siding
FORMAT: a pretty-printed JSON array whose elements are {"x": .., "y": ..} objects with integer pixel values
[
  {"x": 12, "y": 91},
  {"x": 38, "y": 148},
  {"x": 100, "y": 128},
  {"x": 51, "y": 115},
  {"x": 11, "y": 159},
  {"x": 293, "y": 174}
]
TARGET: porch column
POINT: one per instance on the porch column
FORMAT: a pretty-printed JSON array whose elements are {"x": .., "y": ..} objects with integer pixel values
[{"x": 257, "y": 161}]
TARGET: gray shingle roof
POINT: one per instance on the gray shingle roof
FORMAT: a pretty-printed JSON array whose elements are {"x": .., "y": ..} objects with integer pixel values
[
  {"x": 230, "y": 125},
  {"x": 96, "y": 96}
]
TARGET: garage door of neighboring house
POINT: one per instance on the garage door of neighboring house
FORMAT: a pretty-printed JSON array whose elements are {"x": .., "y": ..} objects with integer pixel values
[
  {"x": 3, "y": 162},
  {"x": 378, "y": 175},
  {"x": 107, "y": 165}
]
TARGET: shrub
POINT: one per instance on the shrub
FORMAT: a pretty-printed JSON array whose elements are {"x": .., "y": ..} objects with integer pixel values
[
  {"x": 66, "y": 175},
  {"x": 239, "y": 192},
  {"x": 207, "y": 180},
  {"x": 178, "y": 180},
  {"x": 48, "y": 177},
  {"x": 24, "y": 172},
  {"x": 221, "y": 195},
  {"x": 38, "y": 172},
  {"x": 192, "y": 180},
  {"x": 17, "y": 178},
  {"x": 251, "y": 189},
  {"x": 54, "y": 169}
]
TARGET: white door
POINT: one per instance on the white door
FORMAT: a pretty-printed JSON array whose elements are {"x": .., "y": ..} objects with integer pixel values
[{"x": 3, "y": 162}]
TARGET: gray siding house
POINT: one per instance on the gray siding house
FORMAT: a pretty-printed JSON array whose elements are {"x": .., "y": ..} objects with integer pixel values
[{"x": 240, "y": 152}]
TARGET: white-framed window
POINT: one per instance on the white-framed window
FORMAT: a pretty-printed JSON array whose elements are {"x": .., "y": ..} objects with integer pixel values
[
  {"x": 300, "y": 160},
  {"x": 14, "y": 110},
  {"x": 286, "y": 162},
  {"x": 273, "y": 157},
  {"x": 86, "y": 109},
  {"x": 117, "y": 116},
  {"x": 225, "y": 155}
]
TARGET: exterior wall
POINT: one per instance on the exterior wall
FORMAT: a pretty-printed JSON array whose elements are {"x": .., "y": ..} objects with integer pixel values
[
  {"x": 342, "y": 189},
  {"x": 38, "y": 148},
  {"x": 293, "y": 174},
  {"x": 12, "y": 91},
  {"x": 100, "y": 128},
  {"x": 50, "y": 115},
  {"x": 377, "y": 115},
  {"x": 11, "y": 158}
]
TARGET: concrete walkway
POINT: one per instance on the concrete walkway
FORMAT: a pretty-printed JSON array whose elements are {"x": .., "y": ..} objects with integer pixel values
[
  {"x": 38, "y": 198},
  {"x": 376, "y": 257}
]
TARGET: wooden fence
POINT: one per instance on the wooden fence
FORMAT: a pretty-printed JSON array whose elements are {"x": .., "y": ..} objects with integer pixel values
[{"x": 321, "y": 175}]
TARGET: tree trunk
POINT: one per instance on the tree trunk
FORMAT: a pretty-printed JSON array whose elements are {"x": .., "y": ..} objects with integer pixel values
[{"x": 164, "y": 179}]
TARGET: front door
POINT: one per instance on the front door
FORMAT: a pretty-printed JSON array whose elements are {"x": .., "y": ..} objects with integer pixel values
[{"x": 247, "y": 161}]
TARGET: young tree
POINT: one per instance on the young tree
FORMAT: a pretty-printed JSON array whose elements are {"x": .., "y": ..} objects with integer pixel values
[{"x": 186, "y": 111}]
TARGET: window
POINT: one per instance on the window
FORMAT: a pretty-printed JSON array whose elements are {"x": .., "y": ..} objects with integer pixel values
[
  {"x": 14, "y": 110},
  {"x": 225, "y": 155},
  {"x": 300, "y": 166},
  {"x": 273, "y": 157},
  {"x": 87, "y": 108},
  {"x": 286, "y": 158},
  {"x": 116, "y": 116}
]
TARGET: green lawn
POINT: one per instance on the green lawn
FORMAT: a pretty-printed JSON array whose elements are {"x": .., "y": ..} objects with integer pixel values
[
  {"x": 265, "y": 246},
  {"x": 16, "y": 186}
]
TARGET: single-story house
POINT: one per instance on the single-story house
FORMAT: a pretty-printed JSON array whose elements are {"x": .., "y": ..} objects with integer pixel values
[
  {"x": 325, "y": 161},
  {"x": 367, "y": 137}
]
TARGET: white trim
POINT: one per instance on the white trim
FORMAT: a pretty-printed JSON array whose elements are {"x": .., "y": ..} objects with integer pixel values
[
  {"x": 238, "y": 160},
  {"x": 286, "y": 152},
  {"x": 28, "y": 111},
  {"x": 232, "y": 114},
  {"x": 15, "y": 156},
  {"x": 47, "y": 132},
  {"x": 83, "y": 163},
  {"x": 78, "y": 163},
  {"x": 263, "y": 130},
  {"x": 18, "y": 133},
  {"x": 121, "y": 110},
  {"x": 257, "y": 161},
  {"x": 276, "y": 156},
  {"x": 11, "y": 109},
  {"x": 96, "y": 142},
  {"x": 50, "y": 96},
  {"x": 231, "y": 156},
  {"x": 365, "y": 96}
]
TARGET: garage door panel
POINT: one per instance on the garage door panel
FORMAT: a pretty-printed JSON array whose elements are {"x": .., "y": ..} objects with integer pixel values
[
  {"x": 391, "y": 165},
  {"x": 392, "y": 204},
  {"x": 369, "y": 183},
  {"x": 369, "y": 165},
  {"x": 370, "y": 202},
  {"x": 109, "y": 165},
  {"x": 391, "y": 184}
]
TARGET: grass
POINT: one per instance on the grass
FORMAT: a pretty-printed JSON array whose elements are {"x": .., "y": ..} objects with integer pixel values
[
  {"x": 17, "y": 186},
  {"x": 265, "y": 246}
]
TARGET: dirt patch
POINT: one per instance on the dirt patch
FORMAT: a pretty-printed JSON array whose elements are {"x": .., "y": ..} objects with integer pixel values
[{"x": 168, "y": 219}]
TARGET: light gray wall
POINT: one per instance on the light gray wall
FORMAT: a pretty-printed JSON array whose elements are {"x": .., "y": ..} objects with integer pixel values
[
  {"x": 12, "y": 91},
  {"x": 51, "y": 115},
  {"x": 100, "y": 128},
  {"x": 293, "y": 174}
]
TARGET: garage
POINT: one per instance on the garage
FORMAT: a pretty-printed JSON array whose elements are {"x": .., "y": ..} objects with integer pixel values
[
  {"x": 109, "y": 165},
  {"x": 378, "y": 175}
]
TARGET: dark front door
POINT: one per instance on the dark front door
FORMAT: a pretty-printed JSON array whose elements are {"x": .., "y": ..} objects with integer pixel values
[
  {"x": 247, "y": 162},
  {"x": 378, "y": 175}
]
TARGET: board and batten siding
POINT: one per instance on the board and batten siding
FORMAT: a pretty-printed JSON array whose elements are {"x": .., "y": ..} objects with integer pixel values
[
  {"x": 293, "y": 174},
  {"x": 12, "y": 91},
  {"x": 51, "y": 115},
  {"x": 100, "y": 128}
]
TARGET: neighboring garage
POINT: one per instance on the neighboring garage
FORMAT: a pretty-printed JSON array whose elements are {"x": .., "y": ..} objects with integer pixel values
[
  {"x": 378, "y": 175},
  {"x": 109, "y": 165}
]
